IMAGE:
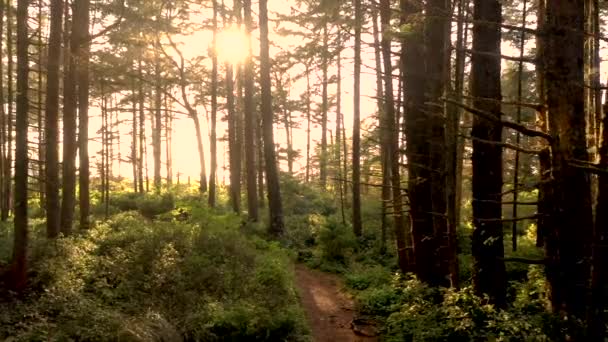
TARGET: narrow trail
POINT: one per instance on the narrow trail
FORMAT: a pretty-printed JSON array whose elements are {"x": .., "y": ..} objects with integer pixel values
[{"x": 329, "y": 310}]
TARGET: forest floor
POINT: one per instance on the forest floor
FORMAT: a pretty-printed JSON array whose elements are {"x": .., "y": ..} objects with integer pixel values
[{"x": 330, "y": 311}]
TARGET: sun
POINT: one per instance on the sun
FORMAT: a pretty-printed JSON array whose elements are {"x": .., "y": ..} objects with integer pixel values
[{"x": 232, "y": 45}]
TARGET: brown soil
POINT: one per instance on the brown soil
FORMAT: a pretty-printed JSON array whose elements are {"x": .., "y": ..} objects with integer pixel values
[{"x": 328, "y": 309}]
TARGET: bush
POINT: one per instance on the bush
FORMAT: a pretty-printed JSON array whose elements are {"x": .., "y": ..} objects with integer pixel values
[
  {"x": 336, "y": 241},
  {"x": 132, "y": 279},
  {"x": 152, "y": 205}
]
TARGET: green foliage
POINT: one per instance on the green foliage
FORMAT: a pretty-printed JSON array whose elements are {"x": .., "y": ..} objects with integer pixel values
[
  {"x": 138, "y": 280},
  {"x": 336, "y": 241}
]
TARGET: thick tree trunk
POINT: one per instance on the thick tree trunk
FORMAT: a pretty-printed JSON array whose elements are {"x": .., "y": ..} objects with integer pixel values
[
  {"x": 596, "y": 316},
  {"x": 276, "y": 226},
  {"x": 418, "y": 133},
  {"x": 389, "y": 108},
  {"x": 569, "y": 241},
  {"x": 357, "y": 224},
  {"x": 51, "y": 121},
  {"x": 444, "y": 269},
  {"x": 19, "y": 276},
  {"x": 488, "y": 251},
  {"x": 250, "y": 120}
]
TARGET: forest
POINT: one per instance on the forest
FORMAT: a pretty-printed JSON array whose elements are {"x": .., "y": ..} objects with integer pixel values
[{"x": 303, "y": 170}]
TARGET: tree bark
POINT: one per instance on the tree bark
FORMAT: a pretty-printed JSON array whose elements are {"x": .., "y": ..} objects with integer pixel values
[
  {"x": 157, "y": 131},
  {"x": 250, "y": 119},
  {"x": 276, "y": 226},
  {"x": 213, "y": 138},
  {"x": 488, "y": 251},
  {"x": 69, "y": 126},
  {"x": 19, "y": 276},
  {"x": 324, "y": 107},
  {"x": 389, "y": 108},
  {"x": 82, "y": 10},
  {"x": 8, "y": 174},
  {"x": 569, "y": 241},
  {"x": 51, "y": 121},
  {"x": 357, "y": 224}
]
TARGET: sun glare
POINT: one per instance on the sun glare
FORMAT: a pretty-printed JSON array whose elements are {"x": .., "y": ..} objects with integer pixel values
[{"x": 232, "y": 45}]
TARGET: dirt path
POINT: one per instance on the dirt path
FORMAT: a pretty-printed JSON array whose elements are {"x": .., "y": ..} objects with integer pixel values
[{"x": 329, "y": 311}]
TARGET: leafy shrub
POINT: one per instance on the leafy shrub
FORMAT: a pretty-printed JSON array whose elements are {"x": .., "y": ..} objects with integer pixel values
[
  {"x": 152, "y": 205},
  {"x": 336, "y": 241},
  {"x": 138, "y": 280}
]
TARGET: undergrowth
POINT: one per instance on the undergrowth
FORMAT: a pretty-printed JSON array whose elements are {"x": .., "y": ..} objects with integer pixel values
[{"x": 132, "y": 279}]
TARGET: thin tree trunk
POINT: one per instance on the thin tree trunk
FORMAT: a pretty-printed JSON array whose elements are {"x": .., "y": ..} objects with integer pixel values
[
  {"x": 385, "y": 128},
  {"x": 276, "y": 226},
  {"x": 69, "y": 127},
  {"x": 169, "y": 138},
  {"x": 82, "y": 10},
  {"x": 389, "y": 108},
  {"x": 213, "y": 138},
  {"x": 8, "y": 175},
  {"x": 142, "y": 125},
  {"x": 250, "y": 120},
  {"x": 324, "y": 107},
  {"x": 235, "y": 179},
  {"x": 19, "y": 276},
  {"x": 357, "y": 224},
  {"x": 134, "y": 138},
  {"x": 308, "y": 122},
  {"x": 157, "y": 131},
  {"x": 51, "y": 121}
]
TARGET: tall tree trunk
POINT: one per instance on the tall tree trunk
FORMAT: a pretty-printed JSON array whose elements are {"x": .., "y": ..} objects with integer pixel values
[
  {"x": 308, "y": 121},
  {"x": 19, "y": 276},
  {"x": 213, "y": 138},
  {"x": 568, "y": 241},
  {"x": 169, "y": 137},
  {"x": 520, "y": 70},
  {"x": 142, "y": 125},
  {"x": 418, "y": 126},
  {"x": 8, "y": 175},
  {"x": 276, "y": 226},
  {"x": 596, "y": 317},
  {"x": 134, "y": 138},
  {"x": 444, "y": 241},
  {"x": 51, "y": 121},
  {"x": 489, "y": 269},
  {"x": 250, "y": 119},
  {"x": 389, "y": 108},
  {"x": 3, "y": 119},
  {"x": 82, "y": 10},
  {"x": 69, "y": 126},
  {"x": 324, "y": 107},
  {"x": 41, "y": 184},
  {"x": 235, "y": 179},
  {"x": 158, "y": 117},
  {"x": 385, "y": 128},
  {"x": 357, "y": 224},
  {"x": 337, "y": 146}
]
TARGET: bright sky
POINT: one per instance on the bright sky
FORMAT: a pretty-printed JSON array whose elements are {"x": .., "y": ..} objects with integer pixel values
[{"x": 232, "y": 47}]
